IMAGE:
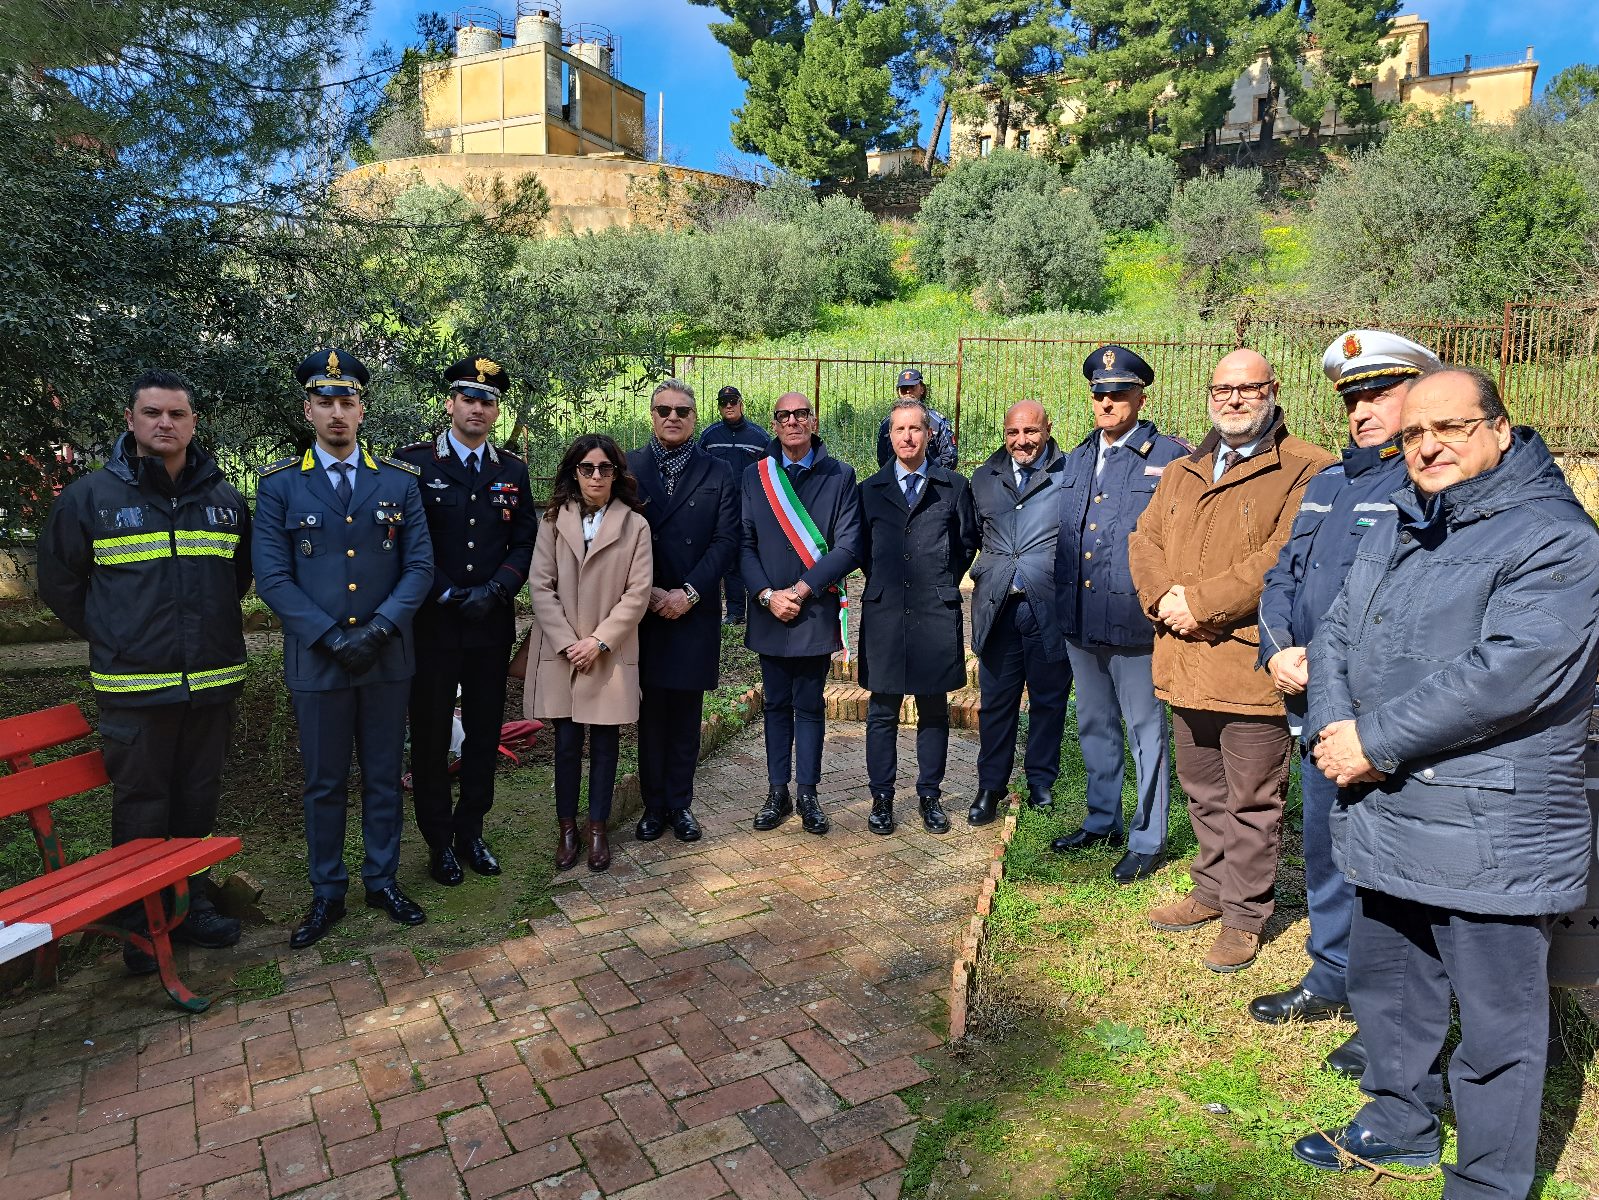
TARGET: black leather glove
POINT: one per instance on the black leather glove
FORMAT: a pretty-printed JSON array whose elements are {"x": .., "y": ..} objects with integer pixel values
[
  {"x": 483, "y": 600},
  {"x": 333, "y": 643},
  {"x": 364, "y": 645}
]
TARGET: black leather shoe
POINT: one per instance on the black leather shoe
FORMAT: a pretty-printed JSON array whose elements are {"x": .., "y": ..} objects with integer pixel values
[
  {"x": 137, "y": 961},
  {"x": 985, "y": 807},
  {"x": 1327, "y": 1150},
  {"x": 811, "y": 815},
  {"x": 650, "y": 826},
  {"x": 445, "y": 867},
  {"x": 478, "y": 856},
  {"x": 684, "y": 827},
  {"x": 1132, "y": 866},
  {"x": 1039, "y": 799},
  {"x": 1083, "y": 839},
  {"x": 401, "y": 908},
  {"x": 934, "y": 819},
  {"x": 1296, "y": 1004},
  {"x": 777, "y": 809},
  {"x": 208, "y": 928},
  {"x": 324, "y": 914},
  {"x": 1349, "y": 1060},
  {"x": 881, "y": 822}
]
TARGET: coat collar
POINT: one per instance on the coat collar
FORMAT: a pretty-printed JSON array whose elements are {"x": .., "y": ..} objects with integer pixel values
[
  {"x": 1360, "y": 459},
  {"x": 654, "y": 487},
  {"x": 1266, "y": 454},
  {"x": 569, "y": 524}
]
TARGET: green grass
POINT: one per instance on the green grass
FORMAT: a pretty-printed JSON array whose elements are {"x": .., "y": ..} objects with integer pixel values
[{"x": 259, "y": 982}]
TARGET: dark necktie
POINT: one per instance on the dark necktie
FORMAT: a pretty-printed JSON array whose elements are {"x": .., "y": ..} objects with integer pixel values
[
  {"x": 1027, "y": 475},
  {"x": 471, "y": 468},
  {"x": 345, "y": 489},
  {"x": 1230, "y": 460},
  {"x": 1017, "y": 583},
  {"x": 912, "y": 483},
  {"x": 792, "y": 470}
]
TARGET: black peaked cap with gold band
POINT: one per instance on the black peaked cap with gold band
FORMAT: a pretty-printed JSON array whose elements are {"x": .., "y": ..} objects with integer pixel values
[
  {"x": 1116, "y": 368},
  {"x": 333, "y": 372},
  {"x": 478, "y": 377}
]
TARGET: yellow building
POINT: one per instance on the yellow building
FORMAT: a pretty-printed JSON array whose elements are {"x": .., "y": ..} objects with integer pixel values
[{"x": 1491, "y": 89}]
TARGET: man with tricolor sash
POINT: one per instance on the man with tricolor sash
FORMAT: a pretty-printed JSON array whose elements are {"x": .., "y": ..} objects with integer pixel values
[
  {"x": 147, "y": 559},
  {"x": 802, "y": 536}
]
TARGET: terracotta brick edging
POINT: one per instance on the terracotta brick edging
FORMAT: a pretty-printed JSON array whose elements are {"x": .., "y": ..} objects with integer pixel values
[
  {"x": 714, "y": 734},
  {"x": 971, "y": 945}
]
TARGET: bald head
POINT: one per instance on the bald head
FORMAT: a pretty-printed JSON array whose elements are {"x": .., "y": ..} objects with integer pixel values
[
  {"x": 1243, "y": 397},
  {"x": 793, "y": 422},
  {"x": 1026, "y": 431}
]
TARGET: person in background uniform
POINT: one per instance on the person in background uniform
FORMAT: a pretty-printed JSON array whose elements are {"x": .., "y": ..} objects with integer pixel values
[
  {"x": 691, "y": 504},
  {"x": 1218, "y": 520},
  {"x": 1372, "y": 371},
  {"x": 918, "y": 537},
  {"x": 1106, "y": 484},
  {"x": 941, "y": 451},
  {"x": 482, "y": 523},
  {"x": 796, "y": 575},
  {"x": 1451, "y": 688},
  {"x": 342, "y": 556},
  {"x": 147, "y": 559},
  {"x": 1015, "y": 630},
  {"x": 739, "y": 443}
]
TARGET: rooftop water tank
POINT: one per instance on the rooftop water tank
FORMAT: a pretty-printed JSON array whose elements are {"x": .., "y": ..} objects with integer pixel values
[
  {"x": 538, "y": 23},
  {"x": 596, "y": 54},
  {"x": 477, "y": 31}
]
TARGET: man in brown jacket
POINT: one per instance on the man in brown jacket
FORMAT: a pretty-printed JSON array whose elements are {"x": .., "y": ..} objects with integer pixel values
[{"x": 1199, "y": 555}]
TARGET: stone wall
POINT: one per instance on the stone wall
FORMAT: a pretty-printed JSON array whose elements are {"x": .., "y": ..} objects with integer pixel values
[{"x": 888, "y": 196}]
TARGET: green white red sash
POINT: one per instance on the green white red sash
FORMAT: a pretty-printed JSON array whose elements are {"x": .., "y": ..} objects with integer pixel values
[{"x": 802, "y": 534}]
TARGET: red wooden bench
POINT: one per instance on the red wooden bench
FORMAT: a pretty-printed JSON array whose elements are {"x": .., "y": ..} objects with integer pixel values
[{"x": 75, "y": 897}]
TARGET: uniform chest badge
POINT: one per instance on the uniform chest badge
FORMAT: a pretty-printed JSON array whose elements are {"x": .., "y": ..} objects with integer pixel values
[
  {"x": 1364, "y": 522},
  {"x": 305, "y": 548},
  {"x": 439, "y": 484}
]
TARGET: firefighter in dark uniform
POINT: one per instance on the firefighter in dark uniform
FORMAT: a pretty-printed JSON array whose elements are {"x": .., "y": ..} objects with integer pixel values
[
  {"x": 147, "y": 559},
  {"x": 483, "y": 523},
  {"x": 342, "y": 556}
]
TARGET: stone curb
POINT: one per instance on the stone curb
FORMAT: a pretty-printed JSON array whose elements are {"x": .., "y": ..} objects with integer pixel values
[{"x": 964, "y": 973}]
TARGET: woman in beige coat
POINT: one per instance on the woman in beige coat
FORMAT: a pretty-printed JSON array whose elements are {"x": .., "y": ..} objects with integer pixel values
[{"x": 590, "y": 584}]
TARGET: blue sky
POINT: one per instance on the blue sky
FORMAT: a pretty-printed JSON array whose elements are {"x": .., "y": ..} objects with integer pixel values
[{"x": 667, "y": 47}]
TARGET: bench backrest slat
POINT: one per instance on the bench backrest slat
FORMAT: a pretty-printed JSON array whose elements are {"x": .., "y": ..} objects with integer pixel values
[
  {"x": 53, "y": 781},
  {"x": 25, "y": 735}
]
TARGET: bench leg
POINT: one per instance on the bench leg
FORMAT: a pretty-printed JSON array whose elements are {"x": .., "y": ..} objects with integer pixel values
[{"x": 159, "y": 944}]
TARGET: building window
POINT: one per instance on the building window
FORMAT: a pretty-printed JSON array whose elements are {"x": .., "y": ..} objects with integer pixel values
[
  {"x": 1465, "y": 109},
  {"x": 1262, "y": 108},
  {"x": 985, "y": 146},
  {"x": 1024, "y": 140}
]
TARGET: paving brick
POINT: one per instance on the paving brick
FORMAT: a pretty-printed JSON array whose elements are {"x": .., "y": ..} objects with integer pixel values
[
  {"x": 741, "y": 1064},
  {"x": 671, "y": 1071},
  {"x": 512, "y": 1094},
  {"x": 698, "y": 1144},
  {"x": 430, "y": 1175},
  {"x": 613, "y": 1157},
  {"x": 374, "y": 1183},
  {"x": 894, "y": 1044},
  {"x": 631, "y": 964},
  {"x": 578, "y": 1023},
  {"x": 390, "y": 1016},
  {"x": 271, "y": 1057},
  {"x": 753, "y": 1174},
  {"x": 644, "y": 1112},
  {"x": 385, "y": 1145},
  {"x": 474, "y": 1137},
  {"x": 136, "y": 1104},
  {"x": 221, "y": 1094},
  {"x": 880, "y": 1080},
  {"x": 62, "y": 1151},
  {"x": 803, "y": 1091},
  {"x": 867, "y": 1120},
  {"x": 516, "y": 1170},
  {"x": 822, "y": 1054},
  {"x": 594, "y": 1082},
  {"x": 252, "y": 1185},
  {"x": 698, "y": 1036},
  {"x": 606, "y": 993},
  {"x": 349, "y": 1049},
  {"x": 316, "y": 1024},
  {"x": 294, "y": 1160},
  {"x": 431, "y": 1102},
  {"x": 887, "y": 1187},
  {"x": 196, "y": 1172},
  {"x": 765, "y": 1028},
  {"x": 785, "y": 1135},
  {"x": 307, "y": 1083},
  {"x": 548, "y": 1057},
  {"x": 49, "y": 1113},
  {"x": 344, "y": 1114},
  {"x": 111, "y": 1174},
  {"x": 255, "y": 1124},
  {"x": 429, "y": 1040},
  {"x": 460, "y": 1066},
  {"x": 863, "y": 1161},
  {"x": 165, "y": 1136},
  {"x": 559, "y": 1122},
  {"x": 623, "y": 1045},
  {"x": 35, "y": 1185},
  {"x": 725, "y": 1101},
  {"x": 108, "y": 1078},
  {"x": 356, "y": 995},
  {"x": 699, "y": 1182},
  {"x": 627, "y": 1019}
]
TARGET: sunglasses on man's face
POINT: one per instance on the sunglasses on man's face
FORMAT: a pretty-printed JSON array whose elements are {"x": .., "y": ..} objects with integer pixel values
[
  {"x": 783, "y": 415},
  {"x": 683, "y": 411},
  {"x": 589, "y": 470},
  {"x": 730, "y": 402}
]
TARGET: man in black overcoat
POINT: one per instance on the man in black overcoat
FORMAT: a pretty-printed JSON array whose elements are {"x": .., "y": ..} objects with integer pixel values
[
  {"x": 919, "y": 536},
  {"x": 691, "y": 501}
]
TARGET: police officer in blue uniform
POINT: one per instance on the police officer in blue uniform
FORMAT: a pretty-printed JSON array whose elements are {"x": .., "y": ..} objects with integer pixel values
[
  {"x": 341, "y": 554},
  {"x": 941, "y": 449},
  {"x": 1372, "y": 370},
  {"x": 482, "y": 522},
  {"x": 1107, "y": 483}
]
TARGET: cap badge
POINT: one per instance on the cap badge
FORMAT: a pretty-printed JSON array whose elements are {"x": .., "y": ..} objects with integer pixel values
[
  {"x": 485, "y": 368},
  {"x": 1351, "y": 345},
  {"x": 333, "y": 364},
  {"x": 1108, "y": 358}
]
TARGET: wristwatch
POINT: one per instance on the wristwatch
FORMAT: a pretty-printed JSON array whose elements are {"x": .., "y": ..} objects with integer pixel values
[
  {"x": 602, "y": 645},
  {"x": 693, "y": 596},
  {"x": 765, "y": 598}
]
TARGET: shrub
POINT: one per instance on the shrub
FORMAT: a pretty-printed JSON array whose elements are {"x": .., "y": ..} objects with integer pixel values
[
  {"x": 1127, "y": 187},
  {"x": 1216, "y": 222},
  {"x": 1038, "y": 252},
  {"x": 750, "y": 276},
  {"x": 855, "y": 254},
  {"x": 966, "y": 200}
]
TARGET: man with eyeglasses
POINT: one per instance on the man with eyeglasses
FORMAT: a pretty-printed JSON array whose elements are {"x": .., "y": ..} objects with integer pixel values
[
  {"x": 482, "y": 523},
  {"x": 1451, "y": 686},
  {"x": 1217, "y": 522},
  {"x": 738, "y": 442},
  {"x": 941, "y": 451},
  {"x": 342, "y": 556},
  {"x": 691, "y": 502},
  {"x": 801, "y": 537},
  {"x": 1372, "y": 371}
]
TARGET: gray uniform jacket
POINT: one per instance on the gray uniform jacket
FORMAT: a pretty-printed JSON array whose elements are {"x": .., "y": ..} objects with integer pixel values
[{"x": 1019, "y": 531}]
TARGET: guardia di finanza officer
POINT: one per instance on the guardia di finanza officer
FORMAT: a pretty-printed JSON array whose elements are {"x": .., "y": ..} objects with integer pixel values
[
  {"x": 342, "y": 556},
  {"x": 483, "y": 523}
]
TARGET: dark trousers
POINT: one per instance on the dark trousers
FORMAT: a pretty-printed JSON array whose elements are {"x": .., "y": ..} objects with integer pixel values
[
  {"x": 794, "y": 718},
  {"x": 1235, "y": 771},
  {"x": 1405, "y": 959},
  {"x": 605, "y": 743},
  {"x": 668, "y": 747},
  {"x": 1013, "y": 657},
  {"x": 882, "y": 742},
  {"x": 737, "y": 596},
  {"x": 1116, "y": 685},
  {"x": 480, "y": 674},
  {"x": 1329, "y": 896},
  {"x": 165, "y": 763},
  {"x": 372, "y": 718}
]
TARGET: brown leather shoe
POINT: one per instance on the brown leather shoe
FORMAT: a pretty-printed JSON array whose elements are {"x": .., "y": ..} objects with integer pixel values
[
  {"x": 1233, "y": 950},
  {"x": 1184, "y": 913},
  {"x": 566, "y": 845},
  {"x": 599, "y": 847}
]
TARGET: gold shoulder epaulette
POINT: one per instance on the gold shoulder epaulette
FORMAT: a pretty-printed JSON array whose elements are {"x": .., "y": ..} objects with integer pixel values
[
  {"x": 280, "y": 465},
  {"x": 401, "y": 463}
]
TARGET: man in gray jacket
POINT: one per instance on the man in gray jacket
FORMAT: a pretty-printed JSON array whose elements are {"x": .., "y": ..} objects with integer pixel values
[{"x": 1450, "y": 688}]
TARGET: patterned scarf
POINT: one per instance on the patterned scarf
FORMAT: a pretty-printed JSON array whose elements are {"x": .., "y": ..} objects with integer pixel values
[{"x": 670, "y": 463}]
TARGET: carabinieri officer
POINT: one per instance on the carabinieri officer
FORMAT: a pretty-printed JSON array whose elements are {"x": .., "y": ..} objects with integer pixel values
[
  {"x": 342, "y": 556},
  {"x": 483, "y": 523}
]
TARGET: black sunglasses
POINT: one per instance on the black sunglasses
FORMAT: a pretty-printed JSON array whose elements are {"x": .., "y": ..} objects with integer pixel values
[
  {"x": 790, "y": 414},
  {"x": 589, "y": 470},
  {"x": 729, "y": 401},
  {"x": 683, "y": 411}
]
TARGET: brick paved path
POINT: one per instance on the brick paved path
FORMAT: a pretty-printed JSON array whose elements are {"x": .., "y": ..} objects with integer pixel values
[{"x": 731, "y": 1018}]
